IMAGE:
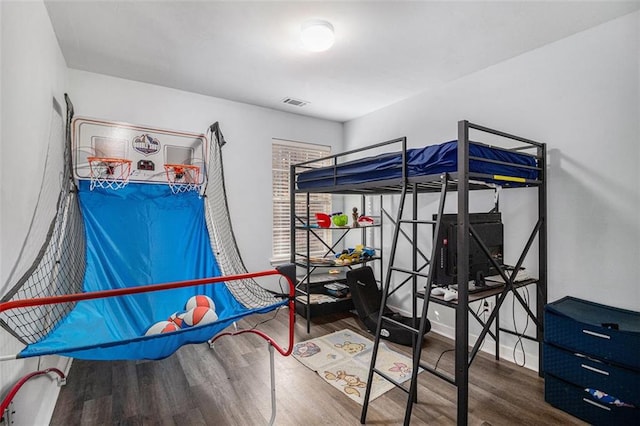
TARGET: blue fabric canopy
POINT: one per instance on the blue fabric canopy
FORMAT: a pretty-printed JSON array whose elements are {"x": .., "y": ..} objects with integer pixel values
[{"x": 139, "y": 235}]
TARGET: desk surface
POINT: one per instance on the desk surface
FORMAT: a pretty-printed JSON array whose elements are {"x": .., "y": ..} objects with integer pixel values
[{"x": 474, "y": 297}]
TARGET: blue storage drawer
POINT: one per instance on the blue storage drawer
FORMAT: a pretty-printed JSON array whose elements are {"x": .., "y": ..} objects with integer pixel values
[
  {"x": 587, "y": 372},
  {"x": 577, "y": 402},
  {"x": 590, "y": 328}
]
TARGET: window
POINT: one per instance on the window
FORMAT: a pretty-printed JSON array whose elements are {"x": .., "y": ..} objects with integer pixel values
[{"x": 284, "y": 154}]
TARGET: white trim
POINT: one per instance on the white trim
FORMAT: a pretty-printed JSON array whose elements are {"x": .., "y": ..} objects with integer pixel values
[{"x": 303, "y": 145}]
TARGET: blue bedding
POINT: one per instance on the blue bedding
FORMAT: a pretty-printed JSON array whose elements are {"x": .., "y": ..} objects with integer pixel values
[{"x": 429, "y": 160}]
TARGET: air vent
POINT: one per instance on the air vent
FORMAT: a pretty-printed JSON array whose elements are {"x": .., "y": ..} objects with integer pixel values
[{"x": 294, "y": 102}]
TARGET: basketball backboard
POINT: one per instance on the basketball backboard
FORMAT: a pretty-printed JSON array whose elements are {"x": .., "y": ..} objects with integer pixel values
[{"x": 148, "y": 149}]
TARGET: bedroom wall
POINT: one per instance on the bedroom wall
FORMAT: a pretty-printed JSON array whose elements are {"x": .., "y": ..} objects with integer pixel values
[
  {"x": 247, "y": 155},
  {"x": 33, "y": 73},
  {"x": 580, "y": 95}
]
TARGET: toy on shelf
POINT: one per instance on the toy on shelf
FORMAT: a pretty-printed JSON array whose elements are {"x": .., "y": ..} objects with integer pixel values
[
  {"x": 323, "y": 220},
  {"x": 339, "y": 219},
  {"x": 354, "y": 255},
  {"x": 355, "y": 216},
  {"x": 365, "y": 221}
]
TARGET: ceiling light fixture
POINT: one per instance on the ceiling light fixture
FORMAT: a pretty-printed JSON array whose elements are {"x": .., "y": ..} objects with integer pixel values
[{"x": 317, "y": 35}]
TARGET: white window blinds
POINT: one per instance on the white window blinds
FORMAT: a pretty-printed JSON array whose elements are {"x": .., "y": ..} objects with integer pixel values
[{"x": 284, "y": 154}]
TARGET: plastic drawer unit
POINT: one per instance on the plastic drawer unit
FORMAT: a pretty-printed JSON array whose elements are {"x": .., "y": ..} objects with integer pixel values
[{"x": 592, "y": 361}]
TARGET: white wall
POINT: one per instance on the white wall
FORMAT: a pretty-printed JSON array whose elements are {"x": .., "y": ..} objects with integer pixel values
[
  {"x": 247, "y": 155},
  {"x": 33, "y": 72},
  {"x": 581, "y": 96}
]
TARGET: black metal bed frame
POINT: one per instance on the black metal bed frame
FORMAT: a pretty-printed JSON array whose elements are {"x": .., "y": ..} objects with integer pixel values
[{"x": 462, "y": 182}]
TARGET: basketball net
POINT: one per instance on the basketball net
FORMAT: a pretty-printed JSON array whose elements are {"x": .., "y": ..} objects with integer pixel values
[
  {"x": 110, "y": 173},
  {"x": 183, "y": 177}
]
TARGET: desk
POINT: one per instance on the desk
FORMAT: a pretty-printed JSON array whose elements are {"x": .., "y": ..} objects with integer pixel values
[{"x": 498, "y": 293}]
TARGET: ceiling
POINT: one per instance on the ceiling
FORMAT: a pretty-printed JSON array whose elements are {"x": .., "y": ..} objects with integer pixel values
[{"x": 385, "y": 51}]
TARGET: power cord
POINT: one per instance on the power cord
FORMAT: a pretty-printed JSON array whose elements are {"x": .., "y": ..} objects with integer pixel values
[
  {"x": 282, "y": 294},
  {"x": 440, "y": 357},
  {"x": 275, "y": 314},
  {"x": 483, "y": 309},
  {"x": 519, "y": 341}
]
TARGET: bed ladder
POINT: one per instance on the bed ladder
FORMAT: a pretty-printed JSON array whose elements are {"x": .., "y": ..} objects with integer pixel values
[{"x": 412, "y": 275}]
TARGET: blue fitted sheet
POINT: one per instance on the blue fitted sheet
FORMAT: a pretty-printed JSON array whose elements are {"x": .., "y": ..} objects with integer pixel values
[{"x": 429, "y": 160}]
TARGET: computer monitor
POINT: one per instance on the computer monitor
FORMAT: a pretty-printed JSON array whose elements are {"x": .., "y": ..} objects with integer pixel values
[{"x": 489, "y": 228}]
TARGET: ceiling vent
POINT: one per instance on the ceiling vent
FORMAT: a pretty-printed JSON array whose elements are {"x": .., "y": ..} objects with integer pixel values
[{"x": 294, "y": 102}]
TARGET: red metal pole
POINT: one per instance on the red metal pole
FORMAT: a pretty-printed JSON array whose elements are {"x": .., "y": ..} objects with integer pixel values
[
  {"x": 129, "y": 290},
  {"x": 292, "y": 314},
  {"x": 167, "y": 286}
]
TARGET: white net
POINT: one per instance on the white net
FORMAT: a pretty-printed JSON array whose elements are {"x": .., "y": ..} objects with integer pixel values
[
  {"x": 60, "y": 264},
  {"x": 223, "y": 242},
  {"x": 110, "y": 173},
  {"x": 183, "y": 177}
]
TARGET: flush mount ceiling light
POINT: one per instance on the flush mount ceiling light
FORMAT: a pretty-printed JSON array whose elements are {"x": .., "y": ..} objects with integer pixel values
[{"x": 317, "y": 35}]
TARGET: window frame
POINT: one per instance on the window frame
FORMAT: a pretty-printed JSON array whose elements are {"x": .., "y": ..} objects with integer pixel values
[{"x": 296, "y": 152}]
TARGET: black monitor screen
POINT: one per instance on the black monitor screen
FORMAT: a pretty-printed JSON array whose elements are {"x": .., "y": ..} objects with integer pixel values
[{"x": 489, "y": 228}]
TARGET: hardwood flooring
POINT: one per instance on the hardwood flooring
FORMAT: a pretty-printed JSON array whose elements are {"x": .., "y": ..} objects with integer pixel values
[{"x": 229, "y": 385}]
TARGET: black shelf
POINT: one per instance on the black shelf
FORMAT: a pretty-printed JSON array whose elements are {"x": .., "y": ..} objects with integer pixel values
[
  {"x": 323, "y": 278},
  {"x": 336, "y": 228},
  {"x": 338, "y": 304},
  {"x": 333, "y": 265},
  {"x": 312, "y": 276}
]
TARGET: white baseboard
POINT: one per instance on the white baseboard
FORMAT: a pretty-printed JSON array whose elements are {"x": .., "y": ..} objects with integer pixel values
[{"x": 506, "y": 352}]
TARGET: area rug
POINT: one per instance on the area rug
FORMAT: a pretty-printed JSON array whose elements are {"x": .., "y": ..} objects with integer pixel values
[{"x": 342, "y": 360}]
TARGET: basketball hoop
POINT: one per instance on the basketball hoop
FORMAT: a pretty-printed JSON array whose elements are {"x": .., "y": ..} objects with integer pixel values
[
  {"x": 111, "y": 173},
  {"x": 183, "y": 177}
]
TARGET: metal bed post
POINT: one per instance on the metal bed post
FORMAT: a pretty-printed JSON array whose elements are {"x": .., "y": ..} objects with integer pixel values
[
  {"x": 462, "y": 317},
  {"x": 308, "y": 264},
  {"x": 414, "y": 258},
  {"x": 292, "y": 215},
  {"x": 541, "y": 297}
]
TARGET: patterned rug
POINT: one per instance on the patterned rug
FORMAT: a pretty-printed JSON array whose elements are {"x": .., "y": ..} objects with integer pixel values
[{"x": 342, "y": 360}]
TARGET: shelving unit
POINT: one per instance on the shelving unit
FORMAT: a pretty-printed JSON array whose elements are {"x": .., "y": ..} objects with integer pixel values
[
  {"x": 312, "y": 297},
  {"x": 406, "y": 178}
]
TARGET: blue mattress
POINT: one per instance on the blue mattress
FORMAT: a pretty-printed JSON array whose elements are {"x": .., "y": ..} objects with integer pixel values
[{"x": 429, "y": 160}]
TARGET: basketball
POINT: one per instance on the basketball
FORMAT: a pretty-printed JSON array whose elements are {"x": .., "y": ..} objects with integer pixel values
[
  {"x": 178, "y": 318},
  {"x": 200, "y": 315},
  {"x": 162, "y": 327},
  {"x": 200, "y": 300}
]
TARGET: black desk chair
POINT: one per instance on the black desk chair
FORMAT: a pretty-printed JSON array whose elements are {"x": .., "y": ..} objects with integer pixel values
[{"x": 367, "y": 298}]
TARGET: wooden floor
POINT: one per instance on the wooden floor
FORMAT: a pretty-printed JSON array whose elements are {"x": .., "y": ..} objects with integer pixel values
[{"x": 229, "y": 385}]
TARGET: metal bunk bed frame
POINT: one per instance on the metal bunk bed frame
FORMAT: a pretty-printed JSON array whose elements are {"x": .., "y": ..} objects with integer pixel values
[{"x": 462, "y": 182}]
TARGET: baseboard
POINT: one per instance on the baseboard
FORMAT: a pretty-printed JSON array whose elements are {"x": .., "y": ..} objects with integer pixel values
[{"x": 506, "y": 352}]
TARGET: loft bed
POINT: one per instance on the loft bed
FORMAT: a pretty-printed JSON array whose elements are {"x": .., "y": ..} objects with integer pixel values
[{"x": 460, "y": 166}]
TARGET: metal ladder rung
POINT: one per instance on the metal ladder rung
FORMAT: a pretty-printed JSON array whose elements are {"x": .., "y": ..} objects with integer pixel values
[
  {"x": 398, "y": 385},
  {"x": 408, "y": 271},
  {"x": 400, "y": 324},
  {"x": 436, "y": 373},
  {"x": 424, "y": 222}
]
